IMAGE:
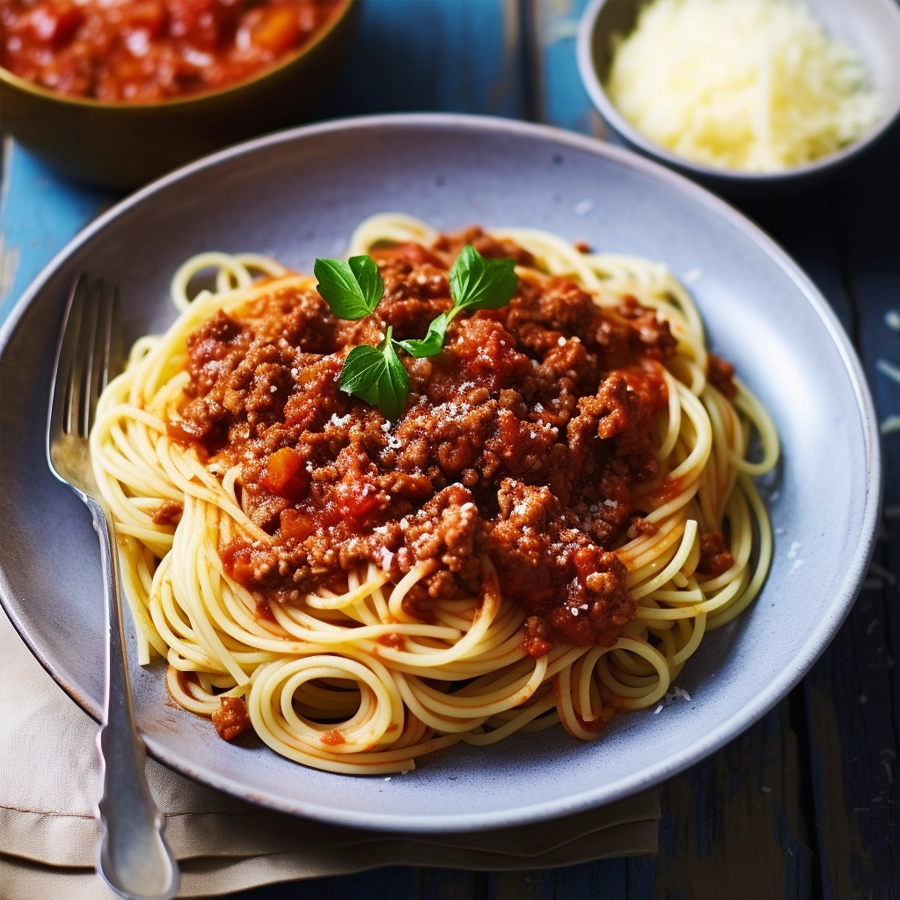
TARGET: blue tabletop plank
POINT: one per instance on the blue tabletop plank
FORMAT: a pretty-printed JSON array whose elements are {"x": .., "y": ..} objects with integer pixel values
[
  {"x": 864, "y": 822},
  {"x": 560, "y": 96},
  {"x": 448, "y": 55},
  {"x": 40, "y": 213}
]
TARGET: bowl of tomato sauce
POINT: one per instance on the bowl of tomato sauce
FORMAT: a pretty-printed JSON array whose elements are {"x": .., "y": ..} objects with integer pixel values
[{"x": 116, "y": 92}]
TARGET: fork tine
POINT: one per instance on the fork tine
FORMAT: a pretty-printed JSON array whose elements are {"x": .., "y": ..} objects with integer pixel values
[
  {"x": 116, "y": 356},
  {"x": 84, "y": 364},
  {"x": 60, "y": 402},
  {"x": 98, "y": 358}
]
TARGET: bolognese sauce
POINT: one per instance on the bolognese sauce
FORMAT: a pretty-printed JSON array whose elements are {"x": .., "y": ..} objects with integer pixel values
[
  {"x": 151, "y": 50},
  {"x": 524, "y": 439}
]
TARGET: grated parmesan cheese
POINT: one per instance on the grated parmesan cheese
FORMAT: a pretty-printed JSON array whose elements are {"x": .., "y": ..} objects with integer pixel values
[{"x": 751, "y": 85}]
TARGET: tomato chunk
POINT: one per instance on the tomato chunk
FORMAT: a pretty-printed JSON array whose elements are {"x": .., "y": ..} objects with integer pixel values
[
  {"x": 238, "y": 561},
  {"x": 357, "y": 499},
  {"x": 284, "y": 474},
  {"x": 148, "y": 16},
  {"x": 205, "y": 24},
  {"x": 55, "y": 23}
]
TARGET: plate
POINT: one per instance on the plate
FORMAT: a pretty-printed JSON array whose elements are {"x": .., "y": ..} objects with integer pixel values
[{"x": 299, "y": 194}]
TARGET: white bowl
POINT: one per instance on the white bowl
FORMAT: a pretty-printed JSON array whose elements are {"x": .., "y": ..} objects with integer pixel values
[{"x": 870, "y": 27}]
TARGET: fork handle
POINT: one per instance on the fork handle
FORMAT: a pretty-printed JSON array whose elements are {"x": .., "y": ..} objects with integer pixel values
[{"x": 133, "y": 857}]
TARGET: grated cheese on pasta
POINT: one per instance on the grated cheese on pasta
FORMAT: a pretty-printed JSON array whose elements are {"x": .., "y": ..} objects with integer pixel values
[{"x": 752, "y": 85}]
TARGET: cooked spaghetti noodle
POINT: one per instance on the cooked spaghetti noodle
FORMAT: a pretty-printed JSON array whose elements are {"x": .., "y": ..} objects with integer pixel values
[{"x": 363, "y": 664}]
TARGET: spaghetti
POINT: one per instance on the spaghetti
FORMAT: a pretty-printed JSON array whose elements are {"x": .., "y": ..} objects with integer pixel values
[{"x": 359, "y": 616}]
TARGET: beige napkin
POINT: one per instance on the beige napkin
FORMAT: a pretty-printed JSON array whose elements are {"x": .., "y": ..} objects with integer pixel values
[{"x": 49, "y": 782}]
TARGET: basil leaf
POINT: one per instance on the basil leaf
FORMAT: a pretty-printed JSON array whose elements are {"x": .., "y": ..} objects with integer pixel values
[
  {"x": 431, "y": 343},
  {"x": 376, "y": 375},
  {"x": 479, "y": 283},
  {"x": 362, "y": 368},
  {"x": 369, "y": 279},
  {"x": 393, "y": 389},
  {"x": 351, "y": 289}
]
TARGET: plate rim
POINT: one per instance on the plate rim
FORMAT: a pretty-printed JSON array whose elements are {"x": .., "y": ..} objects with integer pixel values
[{"x": 696, "y": 750}]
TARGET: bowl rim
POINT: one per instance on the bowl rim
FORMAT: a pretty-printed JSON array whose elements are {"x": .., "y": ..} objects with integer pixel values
[
  {"x": 44, "y": 93},
  {"x": 702, "y": 746},
  {"x": 587, "y": 28}
]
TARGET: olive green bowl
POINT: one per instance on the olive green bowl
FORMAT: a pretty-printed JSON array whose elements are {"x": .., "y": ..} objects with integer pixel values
[{"x": 124, "y": 145}]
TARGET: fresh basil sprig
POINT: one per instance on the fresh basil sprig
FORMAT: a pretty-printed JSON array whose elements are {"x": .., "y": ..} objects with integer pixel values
[{"x": 353, "y": 290}]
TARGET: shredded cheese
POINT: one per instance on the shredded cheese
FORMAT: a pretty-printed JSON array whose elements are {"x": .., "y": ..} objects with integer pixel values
[{"x": 751, "y": 85}]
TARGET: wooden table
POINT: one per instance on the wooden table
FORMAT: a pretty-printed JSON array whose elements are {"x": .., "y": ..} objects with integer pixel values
[{"x": 805, "y": 804}]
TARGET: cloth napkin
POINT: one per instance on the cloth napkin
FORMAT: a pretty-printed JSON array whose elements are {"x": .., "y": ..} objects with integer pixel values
[{"x": 49, "y": 784}]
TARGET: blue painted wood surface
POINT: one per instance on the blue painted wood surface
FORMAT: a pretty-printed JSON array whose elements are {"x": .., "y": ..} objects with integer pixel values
[
  {"x": 449, "y": 55},
  {"x": 40, "y": 212},
  {"x": 805, "y": 804}
]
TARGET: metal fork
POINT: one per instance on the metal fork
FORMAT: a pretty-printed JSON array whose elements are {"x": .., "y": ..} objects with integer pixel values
[{"x": 133, "y": 857}]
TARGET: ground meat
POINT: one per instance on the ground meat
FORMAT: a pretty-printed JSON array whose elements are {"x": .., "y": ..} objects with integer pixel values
[
  {"x": 720, "y": 374},
  {"x": 445, "y": 529},
  {"x": 639, "y": 525},
  {"x": 447, "y": 246},
  {"x": 333, "y": 738},
  {"x": 521, "y": 441},
  {"x": 557, "y": 570},
  {"x": 231, "y": 718},
  {"x": 714, "y": 556},
  {"x": 537, "y": 637},
  {"x": 168, "y": 513}
]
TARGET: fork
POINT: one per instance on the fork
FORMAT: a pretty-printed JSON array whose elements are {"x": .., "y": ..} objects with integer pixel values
[{"x": 133, "y": 857}]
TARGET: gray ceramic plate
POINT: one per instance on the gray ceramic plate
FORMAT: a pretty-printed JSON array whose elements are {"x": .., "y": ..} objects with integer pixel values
[{"x": 299, "y": 194}]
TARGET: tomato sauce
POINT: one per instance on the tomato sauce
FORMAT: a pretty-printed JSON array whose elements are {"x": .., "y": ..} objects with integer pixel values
[
  {"x": 523, "y": 440},
  {"x": 144, "y": 51}
]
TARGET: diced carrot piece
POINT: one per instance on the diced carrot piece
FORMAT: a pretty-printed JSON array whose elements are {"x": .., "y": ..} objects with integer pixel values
[
  {"x": 276, "y": 29},
  {"x": 284, "y": 474},
  {"x": 296, "y": 525}
]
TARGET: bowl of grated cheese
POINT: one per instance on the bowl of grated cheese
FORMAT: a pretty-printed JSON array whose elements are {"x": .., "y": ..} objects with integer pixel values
[{"x": 746, "y": 96}]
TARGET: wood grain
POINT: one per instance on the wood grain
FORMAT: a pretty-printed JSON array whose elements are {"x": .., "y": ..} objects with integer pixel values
[
  {"x": 866, "y": 684},
  {"x": 434, "y": 55}
]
